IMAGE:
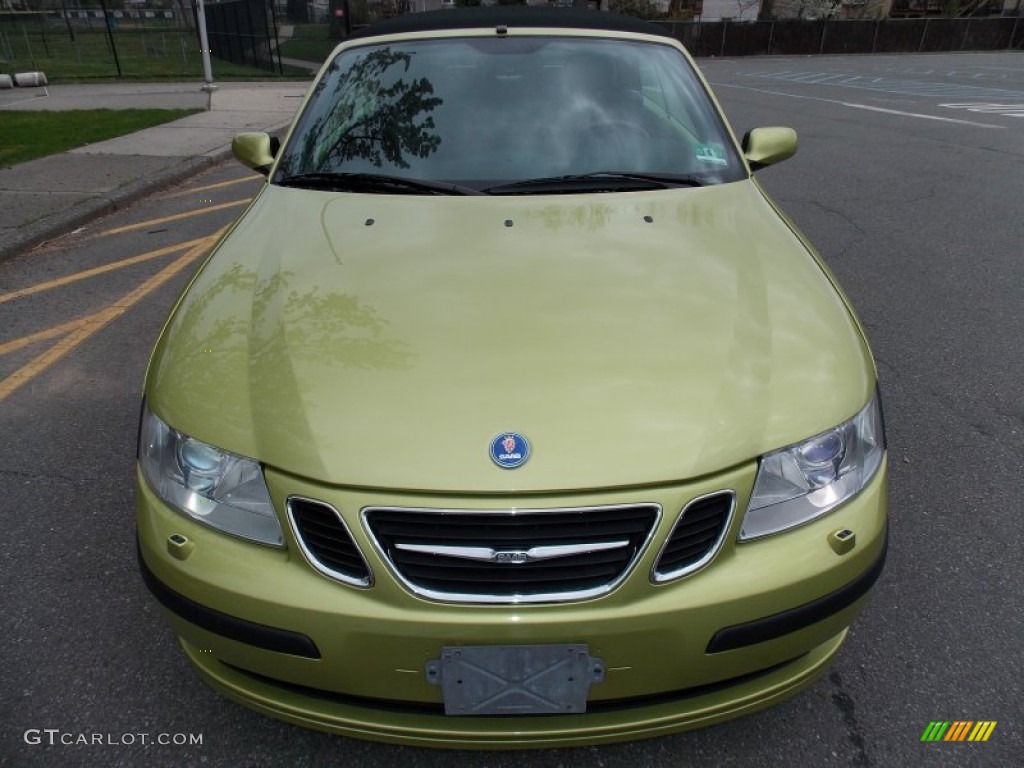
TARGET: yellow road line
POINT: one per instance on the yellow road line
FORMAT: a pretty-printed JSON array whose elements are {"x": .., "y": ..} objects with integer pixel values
[
  {"x": 49, "y": 333},
  {"x": 219, "y": 185},
  {"x": 95, "y": 322},
  {"x": 175, "y": 217},
  {"x": 57, "y": 282}
]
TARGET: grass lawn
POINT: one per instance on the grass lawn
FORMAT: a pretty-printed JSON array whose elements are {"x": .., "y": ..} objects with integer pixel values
[
  {"x": 28, "y": 135},
  {"x": 143, "y": 54},
  {"x": 309, "y": 43}
]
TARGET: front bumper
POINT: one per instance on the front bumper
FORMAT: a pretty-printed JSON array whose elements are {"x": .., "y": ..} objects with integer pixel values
[{"x": 757, "y": 624}]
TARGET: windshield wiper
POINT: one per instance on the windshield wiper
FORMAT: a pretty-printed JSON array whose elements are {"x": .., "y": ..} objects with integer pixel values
[
  {"x": 373, "y": 182},
  {"x": 596, "y": 182}
]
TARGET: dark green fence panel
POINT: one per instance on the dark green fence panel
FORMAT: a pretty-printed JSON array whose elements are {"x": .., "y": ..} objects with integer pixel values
[
  {"x": 243, "y": 32},
  {"x": 748, "y": 39},
  {"x": 701, "y": 39},
  {"x": 943, "y": 34},
  {"x": 902, "y": 36},
  {"x": 850, "y": 36},
  {"x": 987, "y": 34},
  {"x": 795, "y": 37}
]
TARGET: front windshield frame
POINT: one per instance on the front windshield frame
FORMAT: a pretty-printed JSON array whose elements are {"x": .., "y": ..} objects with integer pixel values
[{"x": 464, "y": 110}]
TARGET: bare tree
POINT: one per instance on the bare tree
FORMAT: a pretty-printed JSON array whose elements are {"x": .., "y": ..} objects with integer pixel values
[{"x": 642, "y": 9}]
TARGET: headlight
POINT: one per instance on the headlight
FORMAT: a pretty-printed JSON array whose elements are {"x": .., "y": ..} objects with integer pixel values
[
  {"x": 214, "y": 487},
  {"x": 807, "y": 480}
]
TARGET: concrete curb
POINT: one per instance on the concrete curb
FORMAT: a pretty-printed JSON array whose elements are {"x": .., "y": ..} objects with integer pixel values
[
  {"x": 51, "y": 227},
  {"x": 32, "y": 235}
]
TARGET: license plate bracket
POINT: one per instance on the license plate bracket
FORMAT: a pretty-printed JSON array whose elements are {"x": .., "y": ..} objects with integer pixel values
[{"x": 515, "y": 679}]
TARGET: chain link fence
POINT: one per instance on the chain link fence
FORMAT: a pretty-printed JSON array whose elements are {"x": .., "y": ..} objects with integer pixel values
[
  {"x": 98, "y": 43},
  {"x": 243, "y": 35},
  {"x": 95, "y": 44}
]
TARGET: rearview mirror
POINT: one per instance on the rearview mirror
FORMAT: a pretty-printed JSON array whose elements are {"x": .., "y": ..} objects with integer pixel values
[
  {"x": 767, "y": 146},
  {"x": 254, "y": 150}
]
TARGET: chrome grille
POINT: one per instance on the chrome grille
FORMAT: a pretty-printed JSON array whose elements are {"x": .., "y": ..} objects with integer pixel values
[
  {"x": 521, "y": 556},
  {"x": 696, "y": 537},
  {"x": 326, "y": 542}
]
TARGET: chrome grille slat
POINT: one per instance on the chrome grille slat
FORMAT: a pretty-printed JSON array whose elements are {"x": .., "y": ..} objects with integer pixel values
[
  {"x": 460, "y": 573},
  {"x": 505, "y": 532},
  {"x": 571, "y": 563},
  {"x": 698, "y": 540},
  {"x": 696, "y": 537},
  {"x": 680, "y": 547},
  {"x": 449, "y": 577},
  {"x": 326, "y": 542}
]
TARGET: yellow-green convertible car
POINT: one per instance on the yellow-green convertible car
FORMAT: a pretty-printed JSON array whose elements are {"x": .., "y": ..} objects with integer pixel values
[{"x": 512, "y": 412}]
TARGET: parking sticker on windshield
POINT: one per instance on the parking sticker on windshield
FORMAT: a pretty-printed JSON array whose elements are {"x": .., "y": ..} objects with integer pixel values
[{"x": 711, "y": 153}]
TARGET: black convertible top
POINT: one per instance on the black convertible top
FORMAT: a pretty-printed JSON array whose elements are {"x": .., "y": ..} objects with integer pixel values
[{"x": 511, "y": 16}]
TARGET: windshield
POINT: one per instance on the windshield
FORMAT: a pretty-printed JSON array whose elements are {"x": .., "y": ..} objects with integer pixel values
[{"x": 487, "y": 112}]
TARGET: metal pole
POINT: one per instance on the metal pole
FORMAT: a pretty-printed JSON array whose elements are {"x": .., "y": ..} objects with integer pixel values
[
  {"x": 110, "y": 37},
  {"x": 967, "y": 31},
  {"x": 42, "y": 31},
  {"x": 874, "y": 41},
  {"x": 252, "y": 37},
  {"x": 28, "y": 45},
  {"x": 67, "y": 19},
  {"x": 204, "y": 47},
  {"x": 725, "y": 24},
  {"x": 277, "y": 41},
  {"x": 924, "y": 34},
  {"x": 824, "y": 29}
]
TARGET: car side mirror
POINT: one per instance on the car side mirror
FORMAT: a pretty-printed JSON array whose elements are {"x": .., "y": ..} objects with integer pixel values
[
  {"x": 254, "y": 150},
  {"x": 766, "y": 146}
]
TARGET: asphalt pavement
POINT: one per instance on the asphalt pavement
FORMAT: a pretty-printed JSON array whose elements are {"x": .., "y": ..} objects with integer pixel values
[
  {"x": 908, "y": 181},
  {"x": 44, "y": 198}
]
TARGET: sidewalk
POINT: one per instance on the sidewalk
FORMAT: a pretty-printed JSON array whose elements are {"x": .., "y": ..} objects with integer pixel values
[{"x": 43, "y": 198}]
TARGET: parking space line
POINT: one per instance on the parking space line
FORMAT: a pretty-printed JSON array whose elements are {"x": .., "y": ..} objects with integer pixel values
[
  {"x": 75, "y": 277},
  {"x": 26, "y": 101},
  {"x": 1006, "y": 110},
  {"x": 84, "y": 328},
  {"x": 917, "y": 115},
  {"x": 218, "y": 185},
  {"x": 175, "y": 217},
  {"x": 853, "y": 105},
  {"x": 896, "y": 86}
]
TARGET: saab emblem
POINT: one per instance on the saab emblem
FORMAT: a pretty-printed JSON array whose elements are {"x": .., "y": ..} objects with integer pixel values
[
  {"x": 512, "y": 558},
  {"x": 510, "y": 450}
]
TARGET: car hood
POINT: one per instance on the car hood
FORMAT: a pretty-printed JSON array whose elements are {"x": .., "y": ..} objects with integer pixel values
[{"x": 384, "y": 341}]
